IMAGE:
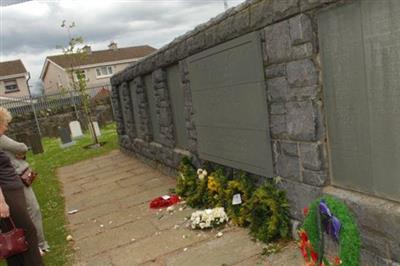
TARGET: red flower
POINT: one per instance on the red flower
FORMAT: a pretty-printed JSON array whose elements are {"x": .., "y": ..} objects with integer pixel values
[
  {"x": 303, "y": 236},
  {"x": 314, "y": 255},
  {"x": 338, "y": 261},
  {"x": 305, "y": 211}
]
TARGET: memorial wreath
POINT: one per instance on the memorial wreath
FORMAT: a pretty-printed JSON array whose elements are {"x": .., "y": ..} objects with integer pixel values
[{"x": 328, "y": 216}]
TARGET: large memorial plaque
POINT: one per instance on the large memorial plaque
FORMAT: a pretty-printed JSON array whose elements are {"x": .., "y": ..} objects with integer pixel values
[
  {"x": 178, "y": 106},
  {"x": 230, "y": 105},
  {"x": 360, "y": 47}
]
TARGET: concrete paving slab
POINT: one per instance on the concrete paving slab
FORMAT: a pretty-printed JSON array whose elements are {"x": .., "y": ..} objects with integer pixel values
[
  {"x": 115, "y": 226},
  {"x": 237, "y": 245},
  {"x": 152, "y": 247},
  {"x": 115, "y": 237},
  {"x": 290, "y": 255}
]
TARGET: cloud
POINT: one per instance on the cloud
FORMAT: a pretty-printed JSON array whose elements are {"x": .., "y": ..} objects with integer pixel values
[{"x": 31, "y": 30}]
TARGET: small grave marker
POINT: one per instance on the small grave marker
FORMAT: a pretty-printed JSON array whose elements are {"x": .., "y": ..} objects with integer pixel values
[
  {"x": 76, "y": 130},
  {"x": 96, "y": 129},
  {"x": 65, "y": 137}
]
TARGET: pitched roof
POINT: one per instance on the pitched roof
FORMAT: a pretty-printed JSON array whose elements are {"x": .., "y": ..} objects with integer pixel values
[
  {"x": 102, "y": 56},
  {"x": 12, "y": 68}
]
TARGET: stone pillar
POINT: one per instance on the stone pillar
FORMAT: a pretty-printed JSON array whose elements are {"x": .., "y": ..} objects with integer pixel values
[
  {"x": 117, "y": 109},
  {"x": 163, "y": 108},
  {"x": 295, "y": 110},
  {"x": 189, "y": 112},
  {"x": 127, "y": 111},
  {"x": 144, "y": 112}
]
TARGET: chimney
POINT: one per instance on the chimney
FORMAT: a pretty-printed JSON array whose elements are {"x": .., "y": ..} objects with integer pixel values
[
  {"x": 113, "y": 46},
  {"x": 87, "y": 49}
]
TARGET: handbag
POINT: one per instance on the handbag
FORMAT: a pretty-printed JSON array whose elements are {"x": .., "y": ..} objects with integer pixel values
[
  {"x": 28, "y": 176},
  {"x": 12, "y": 242}
]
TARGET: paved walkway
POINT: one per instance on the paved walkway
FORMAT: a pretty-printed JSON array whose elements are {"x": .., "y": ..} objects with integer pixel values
[{"x": 114, "y": 225}]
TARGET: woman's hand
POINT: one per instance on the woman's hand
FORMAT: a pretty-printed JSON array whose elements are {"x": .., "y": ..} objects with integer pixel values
[
  {"x": 21, "y": 156},
  {"x": 4, "y": 210}
]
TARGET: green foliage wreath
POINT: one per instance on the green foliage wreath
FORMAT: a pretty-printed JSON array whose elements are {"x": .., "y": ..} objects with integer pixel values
[
  {"x": 268, "y": 213},
  {"x": 349, "y": 241},
  {"x": 241, "y": 184}
]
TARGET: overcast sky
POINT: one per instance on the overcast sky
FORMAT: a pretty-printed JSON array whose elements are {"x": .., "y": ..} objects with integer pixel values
[{"x": 31, "y": 30}]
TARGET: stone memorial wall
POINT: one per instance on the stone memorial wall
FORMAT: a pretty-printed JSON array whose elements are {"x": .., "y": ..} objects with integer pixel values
[{"x": 176, "y": 108}]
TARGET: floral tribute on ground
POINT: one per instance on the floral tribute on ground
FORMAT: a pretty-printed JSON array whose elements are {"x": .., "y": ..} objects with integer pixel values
[
  {"x": 164, "y": 201},
  {"x": 208, "y": 218},
  {"x": 328, "y": 217},
  {"x": 264, "y": 209}
]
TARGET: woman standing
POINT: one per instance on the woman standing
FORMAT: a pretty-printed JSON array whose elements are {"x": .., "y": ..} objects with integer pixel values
[
  {"x": 16, "y": 152},
  {"x": 12, "y": 203}
]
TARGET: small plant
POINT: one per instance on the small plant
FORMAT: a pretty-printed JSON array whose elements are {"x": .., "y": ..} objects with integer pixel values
[{"x": 271, "y": 248}]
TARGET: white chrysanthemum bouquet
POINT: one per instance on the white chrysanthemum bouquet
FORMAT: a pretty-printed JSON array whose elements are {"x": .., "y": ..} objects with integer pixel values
[{"x": 208, "y": 218}]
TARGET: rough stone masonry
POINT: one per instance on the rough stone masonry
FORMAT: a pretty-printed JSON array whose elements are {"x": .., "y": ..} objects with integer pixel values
[{"x": 297, "y": 123}]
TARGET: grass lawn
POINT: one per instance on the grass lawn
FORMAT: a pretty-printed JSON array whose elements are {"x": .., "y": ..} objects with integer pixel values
[{"x": 48, "y": 192}]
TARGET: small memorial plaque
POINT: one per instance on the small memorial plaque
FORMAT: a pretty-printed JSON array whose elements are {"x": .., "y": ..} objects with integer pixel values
[{"x": 237, "y": 199}]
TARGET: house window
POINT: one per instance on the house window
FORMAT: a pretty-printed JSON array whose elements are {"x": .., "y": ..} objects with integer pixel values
[
  {"x": 11, "y": 86},
  {"x": 104, "y": 71}
]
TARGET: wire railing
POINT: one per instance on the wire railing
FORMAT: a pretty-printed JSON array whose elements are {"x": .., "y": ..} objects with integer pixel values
[{"x": 27, "y": 104}]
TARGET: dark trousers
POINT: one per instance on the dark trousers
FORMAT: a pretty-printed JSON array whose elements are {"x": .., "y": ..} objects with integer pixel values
[{"x": 16, "y": 202}]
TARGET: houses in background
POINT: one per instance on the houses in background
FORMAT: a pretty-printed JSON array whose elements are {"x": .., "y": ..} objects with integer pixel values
[
  {"x": 13, "y": 79},
  {"x": 97, "y": 66}
]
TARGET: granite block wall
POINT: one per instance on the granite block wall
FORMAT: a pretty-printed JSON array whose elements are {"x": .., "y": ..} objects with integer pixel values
[{"x": 293, "y": 83}]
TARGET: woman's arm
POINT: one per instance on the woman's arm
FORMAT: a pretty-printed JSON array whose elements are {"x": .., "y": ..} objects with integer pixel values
[
  {"x": 11, "y": 145},
  {"x": 4, "y": 209}
]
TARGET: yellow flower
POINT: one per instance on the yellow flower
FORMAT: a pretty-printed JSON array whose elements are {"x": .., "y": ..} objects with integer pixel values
[{"x": 212, "y": 184}]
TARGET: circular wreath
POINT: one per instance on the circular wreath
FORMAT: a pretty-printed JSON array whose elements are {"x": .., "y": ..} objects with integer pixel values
[
  {"x": 236, "y": 212},
  {"x": 349, "y": 236},
  {"x": 268, "y": 213}
]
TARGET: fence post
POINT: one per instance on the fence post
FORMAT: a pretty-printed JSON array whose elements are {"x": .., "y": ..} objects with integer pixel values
[
  {"x": 33, "y": 105},
  {"x": 35, "y": 115}
]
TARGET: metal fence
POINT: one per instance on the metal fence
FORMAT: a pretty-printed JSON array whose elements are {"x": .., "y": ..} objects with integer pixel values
[
  {"x": 27, "y": 104},
  {"x": 35, "y": 104}
]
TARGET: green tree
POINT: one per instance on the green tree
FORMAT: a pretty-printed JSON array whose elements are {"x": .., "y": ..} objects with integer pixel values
[{"x": 75, "y": 54}]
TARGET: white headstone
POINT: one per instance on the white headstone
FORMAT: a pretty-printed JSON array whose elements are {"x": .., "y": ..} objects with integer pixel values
[
  {"x": 96, "y": 129},
  {"x": 76, "y": 130}
]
